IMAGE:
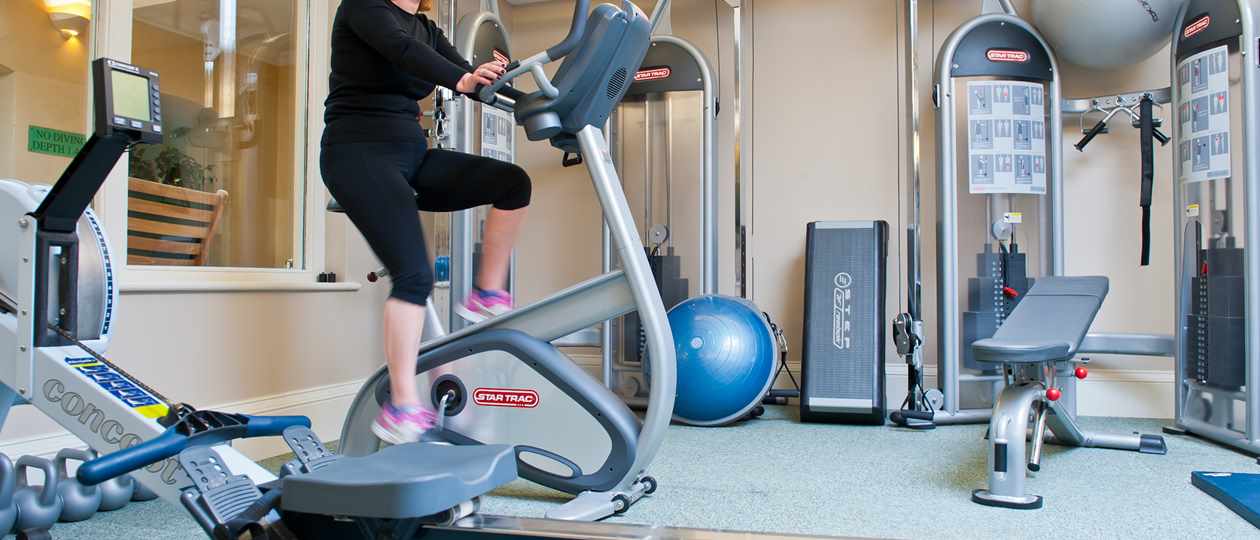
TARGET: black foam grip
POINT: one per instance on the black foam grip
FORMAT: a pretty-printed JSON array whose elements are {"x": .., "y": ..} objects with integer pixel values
[
  {"x": 1146, "y": 235},
  {"x": 1147, "y": 143},
  {"x": 1089, "y": 135},
  {"x": 918, "y": 415}
]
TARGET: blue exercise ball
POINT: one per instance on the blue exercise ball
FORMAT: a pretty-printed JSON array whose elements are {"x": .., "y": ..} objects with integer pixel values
[{"x": 726, "y": 357}]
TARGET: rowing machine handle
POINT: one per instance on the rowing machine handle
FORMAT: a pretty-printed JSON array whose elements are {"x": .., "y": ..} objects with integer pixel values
[{"x": 198, "y": 428}]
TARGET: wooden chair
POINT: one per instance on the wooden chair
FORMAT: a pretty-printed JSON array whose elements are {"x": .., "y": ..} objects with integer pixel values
[{"x": 169, "y": 225}]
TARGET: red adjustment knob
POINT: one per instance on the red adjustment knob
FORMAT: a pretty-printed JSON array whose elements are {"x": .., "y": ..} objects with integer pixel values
[
  {"x": 372, "y": 277},
  {"x": 1053, "y": 394},
  {"x": 1081, "y": 372},
  {"x": 1009, "y": 292}
]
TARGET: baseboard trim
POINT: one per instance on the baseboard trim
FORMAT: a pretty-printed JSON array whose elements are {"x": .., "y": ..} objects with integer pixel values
[
  {"x": 324, "y": 405},
  {"x": 45, "y": 445},
  {"x": 1132, "y": 393},
  {"x": 1138, "y": 393},
  {"x": 1149, "y": 376}
]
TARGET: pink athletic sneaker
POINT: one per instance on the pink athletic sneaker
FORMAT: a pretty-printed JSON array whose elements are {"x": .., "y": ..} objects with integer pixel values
[
  {"x": 483, "y": 304},
  {"x": 397, "y": 425}
]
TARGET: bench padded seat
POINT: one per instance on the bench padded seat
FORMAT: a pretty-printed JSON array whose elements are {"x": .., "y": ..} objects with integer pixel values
[{"x": 1049, "y": 323}]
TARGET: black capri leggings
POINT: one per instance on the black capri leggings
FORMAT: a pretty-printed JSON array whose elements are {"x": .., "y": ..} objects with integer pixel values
[{"x": 382, "y": 185}]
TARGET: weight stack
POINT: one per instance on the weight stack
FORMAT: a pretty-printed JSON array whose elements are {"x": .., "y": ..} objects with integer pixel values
[
  {"x": 1216, "y": 333},
  {"x": 667, "y": 272},
  {"x": 842, "y": 357},
  {"x": 987, "y": 306}
]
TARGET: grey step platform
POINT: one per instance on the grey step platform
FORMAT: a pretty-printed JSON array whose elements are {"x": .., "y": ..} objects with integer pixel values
[
  {"x": 1049, "y": 323},
  {"x": 401, "y": 482}
]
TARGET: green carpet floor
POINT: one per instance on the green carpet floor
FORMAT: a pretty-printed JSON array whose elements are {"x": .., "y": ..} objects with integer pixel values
[{"x": 778, "y": 475}]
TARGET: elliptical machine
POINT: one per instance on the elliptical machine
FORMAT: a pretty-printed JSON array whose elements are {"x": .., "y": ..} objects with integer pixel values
[
  {"x": 502, "y": 381},
  {"x": 402, "y": 490}
]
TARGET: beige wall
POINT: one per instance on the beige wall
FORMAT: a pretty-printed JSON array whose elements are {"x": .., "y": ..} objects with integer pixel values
[
  {"x": 42, "y": 82},
  {"x": 825, "y": 138}
]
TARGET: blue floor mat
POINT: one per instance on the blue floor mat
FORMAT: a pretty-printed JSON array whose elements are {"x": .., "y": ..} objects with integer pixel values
[{"x": 1239, "y": 492}]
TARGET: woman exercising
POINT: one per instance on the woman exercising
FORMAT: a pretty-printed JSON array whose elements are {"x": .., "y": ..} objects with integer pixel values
[{"x": 386, "y": 56}]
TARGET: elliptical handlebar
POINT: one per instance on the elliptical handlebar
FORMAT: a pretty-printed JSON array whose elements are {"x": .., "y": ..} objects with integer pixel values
[
  {"x": 533, "y": 65},
  {"x": 577, "y": 29}
]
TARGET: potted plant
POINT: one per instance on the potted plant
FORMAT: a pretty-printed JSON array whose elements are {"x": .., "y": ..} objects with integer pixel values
[{"x": 169, "y": 163}]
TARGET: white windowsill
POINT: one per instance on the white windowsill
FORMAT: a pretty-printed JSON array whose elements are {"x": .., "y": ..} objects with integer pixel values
[{"x": 236, "y": 286}]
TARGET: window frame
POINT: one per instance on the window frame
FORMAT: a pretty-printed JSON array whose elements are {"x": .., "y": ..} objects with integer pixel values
[{"x": 112, "y": 37}]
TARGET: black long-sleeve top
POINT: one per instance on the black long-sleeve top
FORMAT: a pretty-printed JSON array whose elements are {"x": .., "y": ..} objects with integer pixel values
[{"x": 384, "y": 60}]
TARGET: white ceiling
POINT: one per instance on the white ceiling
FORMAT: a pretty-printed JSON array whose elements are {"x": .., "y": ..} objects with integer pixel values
[{"x": 256, "y": 21}]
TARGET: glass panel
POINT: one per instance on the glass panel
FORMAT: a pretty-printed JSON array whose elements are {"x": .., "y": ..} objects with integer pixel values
[
  {"x": 225, "y": 187},
  {"x": 44, "y": 48}
]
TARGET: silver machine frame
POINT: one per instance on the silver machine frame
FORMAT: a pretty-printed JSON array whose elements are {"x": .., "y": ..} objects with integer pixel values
[
  {"x": 613, "y": 364},
  {"x": 562, "y": 314},
  {"x": 48, "y": 379},
  {"x": 1016, "y": 390},
  {"x": 950, "y": 376},
  {"x": 1221, "y": 424},
  {"x": 949, "y": 364}
]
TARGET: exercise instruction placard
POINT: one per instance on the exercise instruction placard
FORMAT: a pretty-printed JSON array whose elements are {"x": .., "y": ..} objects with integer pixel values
[
  {"x": 497, "y": 128},
  {"x": 1203, "y": 81},
  {"x": 1006, "y": 137}
]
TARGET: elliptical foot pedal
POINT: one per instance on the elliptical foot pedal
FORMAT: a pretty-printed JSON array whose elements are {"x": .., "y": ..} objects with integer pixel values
[
  {"x": 1024, "y": 502},
  {"x": 1152, "y": 444},
  {"x": 311, "y": 454}
]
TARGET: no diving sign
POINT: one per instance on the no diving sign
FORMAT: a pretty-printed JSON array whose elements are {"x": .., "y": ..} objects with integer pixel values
[{"x": 42, "y": 140}]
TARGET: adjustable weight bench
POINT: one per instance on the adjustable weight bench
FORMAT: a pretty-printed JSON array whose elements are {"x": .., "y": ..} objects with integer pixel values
[{"x": 1036, "y": 344}]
